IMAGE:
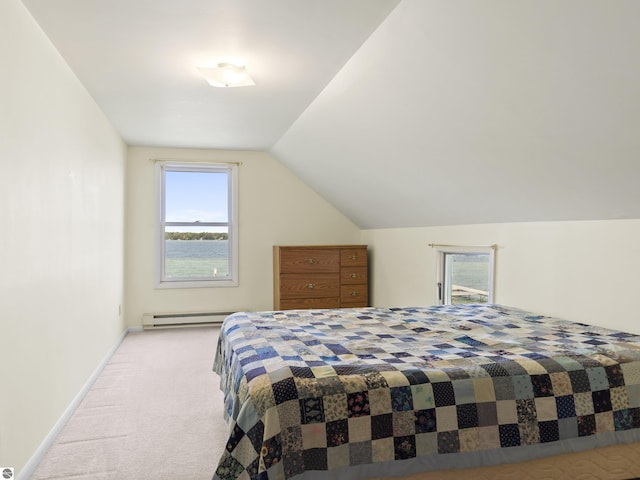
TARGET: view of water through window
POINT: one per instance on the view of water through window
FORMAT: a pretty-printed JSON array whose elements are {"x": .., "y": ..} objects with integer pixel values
[
  {"x": 469, "y": 277},
  {"x": 196, "y": 258}
]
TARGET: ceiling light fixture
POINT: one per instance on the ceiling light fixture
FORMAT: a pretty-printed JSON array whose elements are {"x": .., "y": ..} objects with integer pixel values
[{"x": 227, "y": 74}]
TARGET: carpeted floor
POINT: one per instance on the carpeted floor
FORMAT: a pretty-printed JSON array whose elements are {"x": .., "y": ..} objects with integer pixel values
[{"x": 155, "y": 412}]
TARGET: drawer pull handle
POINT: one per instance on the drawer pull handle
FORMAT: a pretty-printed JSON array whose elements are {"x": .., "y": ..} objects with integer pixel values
[
  {"x": 311, "y": 285},
  {"x": 354, "y": 294},
  {"x": 353, "y": 257},
  {"x": 354, "y": 275},
  {"x": 310, "y": 261}
]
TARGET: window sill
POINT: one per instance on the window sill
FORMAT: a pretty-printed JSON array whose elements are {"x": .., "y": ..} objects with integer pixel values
[{"x": 197, "y": 284}]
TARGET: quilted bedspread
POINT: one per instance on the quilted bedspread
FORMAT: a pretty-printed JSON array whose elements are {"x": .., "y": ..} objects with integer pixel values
[{"x": 368, "y": 391}]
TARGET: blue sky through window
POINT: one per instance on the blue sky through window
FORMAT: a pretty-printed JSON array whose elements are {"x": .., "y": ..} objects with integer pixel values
[{"x": 196, "y": 197}]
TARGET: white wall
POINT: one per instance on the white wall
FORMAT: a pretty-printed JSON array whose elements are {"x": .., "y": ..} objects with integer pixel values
[
  {"x": 275, "y": 208},
  {"x": 61, "y": 249},
  {"x": 580, "y": 271}
]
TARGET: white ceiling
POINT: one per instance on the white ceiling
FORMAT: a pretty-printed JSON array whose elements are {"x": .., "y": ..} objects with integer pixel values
[
  {"x": 435, "y": 112},
  {"x": 139, "y": 59}
]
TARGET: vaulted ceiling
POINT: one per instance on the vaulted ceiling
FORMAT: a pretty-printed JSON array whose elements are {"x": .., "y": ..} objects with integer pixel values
[{"x": 401, "y": 114}]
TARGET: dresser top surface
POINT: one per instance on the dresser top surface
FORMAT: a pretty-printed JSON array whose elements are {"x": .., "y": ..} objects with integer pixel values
[{"x": 320, "y": 246}]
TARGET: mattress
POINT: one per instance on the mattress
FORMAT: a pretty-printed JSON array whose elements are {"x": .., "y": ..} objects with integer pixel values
[{"x": 371, "y": 392}]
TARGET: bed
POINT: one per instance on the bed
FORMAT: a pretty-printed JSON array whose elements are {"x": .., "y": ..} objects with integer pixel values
[{"x": 413, "y": 392}]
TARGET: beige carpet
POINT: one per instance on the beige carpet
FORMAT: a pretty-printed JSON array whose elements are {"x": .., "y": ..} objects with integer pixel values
[{"x": 155, "y": 412}]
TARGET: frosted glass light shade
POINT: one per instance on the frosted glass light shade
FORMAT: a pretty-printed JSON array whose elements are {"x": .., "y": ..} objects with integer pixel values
[{"x": 227, "y": 75}]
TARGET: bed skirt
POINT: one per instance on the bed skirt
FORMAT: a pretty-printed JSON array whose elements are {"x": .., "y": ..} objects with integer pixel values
[{"x": 617, "y": 462}]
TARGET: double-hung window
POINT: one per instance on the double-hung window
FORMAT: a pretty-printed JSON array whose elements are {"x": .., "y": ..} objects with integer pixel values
[
  {"x": 464, "y": 275},
  {"x": 197, "y": 235}
]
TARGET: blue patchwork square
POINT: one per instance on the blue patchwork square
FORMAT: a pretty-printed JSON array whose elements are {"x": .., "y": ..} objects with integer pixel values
[
  {"x": 509, "y": 435},
  {"x": 404, "y": 447},
  {"x": 315, "y": 458},
  {"x": 426, "y": 421},
  {"x": 248, "y": 360},
  {"x": 542, "y": 385},
  {"x": 472, "y": 342},
  {"x": 256, "y": 435},
  {"x": 602, "y": 401},
  {"x": 292, "y": 461},
  {"x": 495, "y": 370},
  {"x": 241, "y": 350},
  {"x": 337, "y": 432},
  {"x": 586, "y": 425},
  {"x": 382, "y": 426},
  {"x": 266, "y": 352},
  {"x": 302, "y": 372},
  {"x": 579, "y": 381},
  {"x": 566, "y": 406},
  {"x": 467, "y": 415},
  {"x": 443, "y": 394},
  {"x": 358, "y": 404},
  {"x": 623, "y": 420},
  {"x": 311, "y": 410},
  {"x": 615, "y": 376},
  {"x": 292, "y": 358},
  {"x": 415, "y": 376},
  {"x": 549, "y": 431},
  {"x": 272, "y": 451},
  {"x": 635, "y": 415},
  {"x": 448, "y": 442},
  {"x": 401, "y": 399},
  {"x": 255, "y": 372},
  {"x": 285, "y": 390},
  {"x": 329, "y": 358}
]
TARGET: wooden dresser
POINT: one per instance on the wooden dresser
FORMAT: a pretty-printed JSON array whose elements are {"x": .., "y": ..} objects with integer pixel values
[{"x": 331, "y": 276}]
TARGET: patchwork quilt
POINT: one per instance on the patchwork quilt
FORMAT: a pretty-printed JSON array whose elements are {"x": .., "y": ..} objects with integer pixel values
[{"x": 350, "y": 392}]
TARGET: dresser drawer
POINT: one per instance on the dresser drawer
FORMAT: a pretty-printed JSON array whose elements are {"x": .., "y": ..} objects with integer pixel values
[
  {"x": 304, "y": 303},
  {"x": 311, "y": 285},
  {"x": 354, "y": 295},
  {"x": 353, "y": 257},
  {"x": 353, "y": 275},
  {"x": 308, "y": 260}
]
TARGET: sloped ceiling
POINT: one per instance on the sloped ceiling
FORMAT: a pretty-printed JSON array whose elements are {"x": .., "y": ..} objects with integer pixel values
[
  {"x": 481, "y": 111},
  {"x": 139, "y": 60},
  {"x": 435, "y": 112}
]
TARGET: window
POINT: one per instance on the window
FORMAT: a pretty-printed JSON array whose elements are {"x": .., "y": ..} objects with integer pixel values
[
  {"x": 197, "y": 237},
  {"x": 465, "y": 275}
]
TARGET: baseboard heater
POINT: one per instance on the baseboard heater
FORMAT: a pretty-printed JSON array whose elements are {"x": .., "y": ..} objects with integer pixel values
[{"x": 168, "y": 320}]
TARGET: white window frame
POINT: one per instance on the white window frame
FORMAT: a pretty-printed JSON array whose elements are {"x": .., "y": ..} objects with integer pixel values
[
  {"x": 232, "y": 203},
  {"x": 442, "y": 250}
]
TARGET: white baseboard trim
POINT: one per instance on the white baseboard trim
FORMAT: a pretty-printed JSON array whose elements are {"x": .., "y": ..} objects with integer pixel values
[{"x": 30, "y": 467}]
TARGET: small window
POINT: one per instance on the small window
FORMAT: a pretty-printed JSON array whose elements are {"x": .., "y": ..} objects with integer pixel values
[
  {"x": 465, "y": 275},
  {"x": 197, "y": 238}
]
